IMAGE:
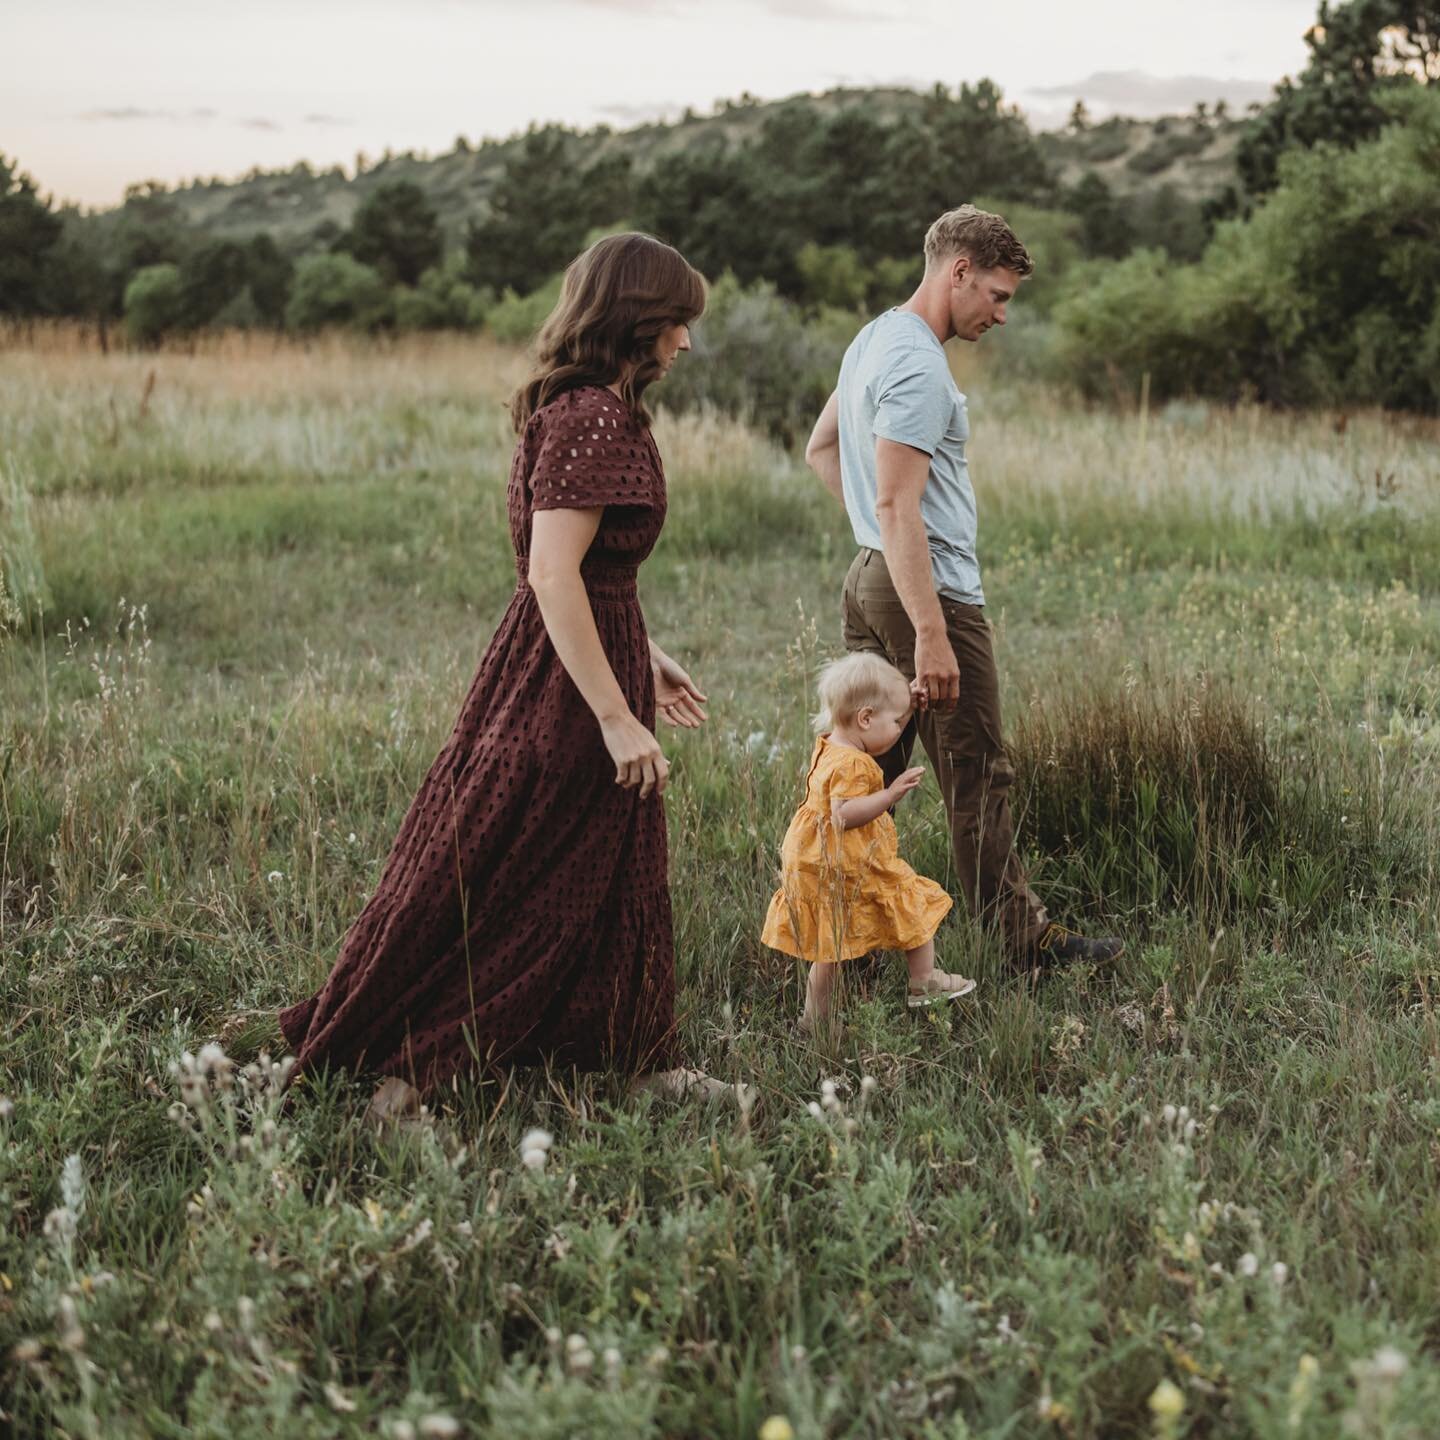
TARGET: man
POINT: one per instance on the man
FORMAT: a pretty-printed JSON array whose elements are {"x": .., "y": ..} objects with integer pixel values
[{"x": 890, "y": 445}]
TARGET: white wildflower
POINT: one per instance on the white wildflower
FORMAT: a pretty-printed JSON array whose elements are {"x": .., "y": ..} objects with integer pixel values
[
  {"x": 72, "y": 1185},
  {"x": 827, "y": 1090},
  {"x": 1388, "y": 1363},
  {"x": 439, "y": 1427},
  {"x": 1279, "y": 1273},
  {"x": 1168, "y": 1114},
  {"x": 815, "y": 1110},
  {"x": 60, "y": 1226},
  {"x": 868, "y": 1084},
  {"x": 533, "y": 1159},
  {"x": 7, "y": 1107},
  {"x": 275, "y": 876},
  {"x": 338, "y": 1399},
  {"x": 212, "y": 1057},
  {"x": 536, "y": 1140},
  {"x": 1248, "y": 1265},
  {"x": 72, "y": 1337},
  {"x": 419, "y": 1235}
]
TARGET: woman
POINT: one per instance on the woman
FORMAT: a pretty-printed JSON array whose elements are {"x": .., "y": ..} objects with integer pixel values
[{"x": 524, "y": 915}]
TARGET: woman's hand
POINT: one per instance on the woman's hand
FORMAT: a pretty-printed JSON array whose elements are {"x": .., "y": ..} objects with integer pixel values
[
  {"x": 638, "y": 757},
  {"x": 677, "y": 697}
]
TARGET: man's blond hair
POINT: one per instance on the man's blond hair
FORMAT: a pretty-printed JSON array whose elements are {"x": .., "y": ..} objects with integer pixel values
[{"x": 989, "y": 242}]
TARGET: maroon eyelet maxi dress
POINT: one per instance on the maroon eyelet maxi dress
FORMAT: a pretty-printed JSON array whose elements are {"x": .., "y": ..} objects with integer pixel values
[{"x": 523, "y": 914}]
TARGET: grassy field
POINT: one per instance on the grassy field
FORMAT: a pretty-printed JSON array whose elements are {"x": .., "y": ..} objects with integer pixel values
[{"x": 1198, "y": 1195}]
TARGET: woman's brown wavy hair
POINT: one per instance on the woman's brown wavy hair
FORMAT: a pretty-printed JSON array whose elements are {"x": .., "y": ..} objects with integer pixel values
[{"x": 616, "y": 300}]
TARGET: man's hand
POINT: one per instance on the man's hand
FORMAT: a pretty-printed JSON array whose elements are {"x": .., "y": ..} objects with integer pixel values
[{"x": 937, "y": 672}]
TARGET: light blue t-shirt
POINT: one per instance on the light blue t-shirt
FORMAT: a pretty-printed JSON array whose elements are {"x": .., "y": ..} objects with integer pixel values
[{"x": 894, "y": 383}]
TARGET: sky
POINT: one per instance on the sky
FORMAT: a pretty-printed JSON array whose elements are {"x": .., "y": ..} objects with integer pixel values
[{"x": 98, "y": 94}]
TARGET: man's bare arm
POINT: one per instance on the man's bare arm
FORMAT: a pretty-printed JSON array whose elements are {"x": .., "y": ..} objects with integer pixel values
[
  {"x": 822, "y": 452},
  {"x": 901, "y": 472}
]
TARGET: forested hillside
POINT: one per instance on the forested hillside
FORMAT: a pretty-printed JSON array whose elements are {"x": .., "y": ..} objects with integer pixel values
[{"x": 1193, "y": 154}]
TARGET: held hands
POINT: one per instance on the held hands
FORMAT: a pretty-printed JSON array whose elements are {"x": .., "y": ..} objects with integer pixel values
[
  {"x": 677, "y": 698},
  {"x": 638, "y": 757},
  {"x": 904, "y": 783},
  {"x": 937, "y": 672}
]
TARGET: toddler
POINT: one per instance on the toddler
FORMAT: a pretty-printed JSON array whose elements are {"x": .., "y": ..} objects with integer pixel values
[{"x": 845, "y": 889}]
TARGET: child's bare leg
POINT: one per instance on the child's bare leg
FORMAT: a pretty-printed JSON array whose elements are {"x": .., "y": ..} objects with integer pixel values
[
  {"x": 819, "y": 995},
  {"x": 928, "y": 982},
  {"x": 921, "y": 961}
]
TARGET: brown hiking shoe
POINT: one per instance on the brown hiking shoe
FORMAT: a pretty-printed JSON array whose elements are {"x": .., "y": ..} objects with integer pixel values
[{"x": 1059, "y": 946}]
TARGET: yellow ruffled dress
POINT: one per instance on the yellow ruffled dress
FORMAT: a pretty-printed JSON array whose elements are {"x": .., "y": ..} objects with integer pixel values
[{"x": 845, "y": 893}]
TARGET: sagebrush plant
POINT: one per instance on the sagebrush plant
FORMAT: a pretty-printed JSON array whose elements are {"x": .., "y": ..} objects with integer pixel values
[{"x": 1192, "y": 1196}]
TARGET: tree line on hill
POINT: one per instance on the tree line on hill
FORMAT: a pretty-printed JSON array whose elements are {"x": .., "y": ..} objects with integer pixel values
[{"x": 1314, "y": 279}]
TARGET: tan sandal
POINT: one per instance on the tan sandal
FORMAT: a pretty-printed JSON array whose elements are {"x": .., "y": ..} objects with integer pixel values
[
  {"x": 683, "y": 1084},
  {"x": 939, "y": 985}
]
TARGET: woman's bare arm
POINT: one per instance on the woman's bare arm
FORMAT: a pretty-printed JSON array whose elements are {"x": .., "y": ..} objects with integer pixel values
[{"x": 558, "y": 542}]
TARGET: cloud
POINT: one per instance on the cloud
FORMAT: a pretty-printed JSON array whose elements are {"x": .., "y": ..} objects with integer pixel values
[
  {"x": 1135, "y": 90},
  {"x": 785, "y": 9},
  {"x": 326, "y": 120},
  {"x": 134, "y": 112},
  {"x": 818, "y": 10},
  {"x": 258, "y": 122}
]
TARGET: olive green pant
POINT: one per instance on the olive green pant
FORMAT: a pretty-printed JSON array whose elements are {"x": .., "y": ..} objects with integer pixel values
[{"x": 963, "y": 742}]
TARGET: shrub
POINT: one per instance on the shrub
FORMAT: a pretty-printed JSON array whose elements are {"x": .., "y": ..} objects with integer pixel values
[
  {"x": 832, "y": 275},
  {"x": 757, "y": 357},
  {"x": 516, "y": 318},
  {"x": 1175, "y": 796},
  {"x": 443, "y": 300},
  {"x": 1326, "y": 294},
  {"x": 153, "y": 303},
  {"x": 337, "y": 290}
]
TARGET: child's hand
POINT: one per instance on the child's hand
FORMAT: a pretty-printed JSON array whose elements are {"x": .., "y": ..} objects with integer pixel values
[{"x": 905, "y": 783}]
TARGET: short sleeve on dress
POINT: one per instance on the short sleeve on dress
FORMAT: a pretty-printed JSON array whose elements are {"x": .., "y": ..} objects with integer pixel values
[
  {"x": 590, "y": 453},
  {"x": 855, "y": 774}
]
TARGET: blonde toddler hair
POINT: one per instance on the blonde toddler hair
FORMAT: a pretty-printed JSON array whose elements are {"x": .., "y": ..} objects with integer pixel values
[{"x": 847, "y": 685}]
